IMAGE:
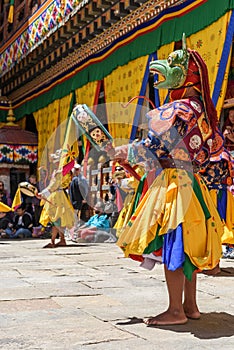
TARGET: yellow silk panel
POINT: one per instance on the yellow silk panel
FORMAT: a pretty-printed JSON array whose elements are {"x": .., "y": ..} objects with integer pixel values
[
  {"x": 63, "y": 117},
  {"x": 162, "y": 54},
  {"x": 86, "y": 95},
  {"x": 209, "y": 43},
  {"x": 40, "y": 128},
  {"x": 70, "y": 144},
  {"x": 47, "y": 122},
  {"x": 120, "y": 86},
  {"x": 52, "y": 134}
]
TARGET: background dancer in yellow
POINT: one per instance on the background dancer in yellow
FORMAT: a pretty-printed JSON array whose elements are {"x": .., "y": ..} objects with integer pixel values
[
  {"x": 129, "y": 185},
  {"x": 57, "y": 207}
]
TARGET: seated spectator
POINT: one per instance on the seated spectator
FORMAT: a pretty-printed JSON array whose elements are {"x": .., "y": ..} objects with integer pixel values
[
  {"x": 22, "y": 224},
  {"x": 111, "y": 210},
  {"x": 5, "y": 221},
  {"x": 4, "y": 195},
  {"x": 228, "y": 251},
  {"x": 78, "y": 192},
  {"x": 97, "y": 228},
  {"x": 33, "y": 203}
]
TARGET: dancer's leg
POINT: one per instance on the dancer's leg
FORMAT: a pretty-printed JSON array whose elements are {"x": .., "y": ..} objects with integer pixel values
[
  {"x": 62, "y": 241},
  {"x": 175, "y": 312},
  {"x": 54, "y": 233},
  {"x": 190, "y": 304}
]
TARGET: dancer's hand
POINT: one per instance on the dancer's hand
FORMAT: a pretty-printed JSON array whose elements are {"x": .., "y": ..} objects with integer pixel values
[
  {"x": 119, "y": 153},
  {"x": 109, "y": 149}
]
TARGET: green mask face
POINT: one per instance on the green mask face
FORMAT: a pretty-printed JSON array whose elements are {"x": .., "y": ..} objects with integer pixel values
[{"x": 173, "y": 71}]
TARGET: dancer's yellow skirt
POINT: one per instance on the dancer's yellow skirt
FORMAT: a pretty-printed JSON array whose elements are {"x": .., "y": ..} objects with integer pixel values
[
  {"x": 58, "y": 208},
  {"x": 177, "y": 198},
  {"x": 228, "y": 234}
]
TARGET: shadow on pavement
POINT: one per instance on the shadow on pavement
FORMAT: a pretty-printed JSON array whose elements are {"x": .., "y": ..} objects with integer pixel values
[
  {"x": 211, "y": 325},
  {"x": 132, "y": 320},
  {"x": 71, "y": 245},
  {"x": 226, "y": 272}
]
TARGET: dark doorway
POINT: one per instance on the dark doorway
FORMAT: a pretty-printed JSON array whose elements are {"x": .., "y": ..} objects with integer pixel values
[{"x": 16, "y": 176}]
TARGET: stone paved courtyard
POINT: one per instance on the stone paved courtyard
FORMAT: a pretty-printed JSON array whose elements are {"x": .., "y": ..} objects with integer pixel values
[{"x": 90, "y": 297}]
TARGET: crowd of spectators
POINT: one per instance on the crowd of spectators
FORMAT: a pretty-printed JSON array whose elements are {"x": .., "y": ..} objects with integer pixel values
[{"x": 24, "y": 221}]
